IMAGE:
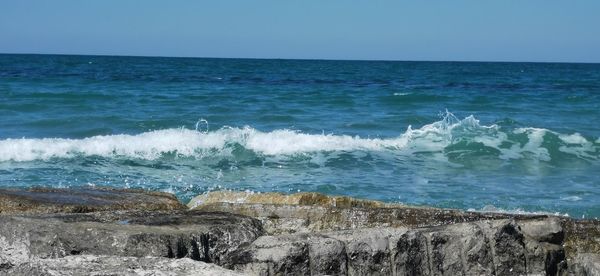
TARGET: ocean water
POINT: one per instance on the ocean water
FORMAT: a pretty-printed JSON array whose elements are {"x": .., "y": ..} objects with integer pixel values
[{"x": 515, "y": 137}]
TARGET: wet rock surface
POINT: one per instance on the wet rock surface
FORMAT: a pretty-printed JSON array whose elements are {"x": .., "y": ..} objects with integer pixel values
[
  {"x": 301, "y": 199},
  {"x": 274, "y": 234},
  {"x": 191, "y": 234},
  {"x": 309, "y": 212},
  {"x": 83, "y": 200}
]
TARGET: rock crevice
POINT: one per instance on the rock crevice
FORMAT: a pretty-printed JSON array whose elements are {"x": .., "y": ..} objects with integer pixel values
[{"x": 302, "y": 235}]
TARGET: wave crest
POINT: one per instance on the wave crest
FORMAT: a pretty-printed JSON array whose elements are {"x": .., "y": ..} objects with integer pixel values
[{"x": 450, "y": 136}]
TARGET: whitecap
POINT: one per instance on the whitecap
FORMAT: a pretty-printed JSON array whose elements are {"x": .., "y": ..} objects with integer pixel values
[
  {"x": 571, "y": 198},
  {"x": 535, "y": 138},
  {"x": 517, "y": 211},
  {"x": 431, "y": 138}
]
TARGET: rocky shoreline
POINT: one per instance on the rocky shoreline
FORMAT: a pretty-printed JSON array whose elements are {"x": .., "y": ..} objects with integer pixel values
[{"x": 104, "y": 231}]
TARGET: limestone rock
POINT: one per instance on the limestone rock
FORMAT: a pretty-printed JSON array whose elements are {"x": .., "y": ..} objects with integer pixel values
[
  {"x": 545, "y": 230},
  {"x": 412, "y": 256},
  {"x": 305, "y": 199},
  {"x": 369, "y": 251},
  {"x": 581, "y": 236},
  {"x": 586, "y": 264},
  {"x": 278, "y": 255},
  {"x": 110, "y": 265},
  {"x": 280, "y": 216},
  {"x": 83, "y": 200},
  {"x": 509, "y": 248},
  {"x": 494, "y": 247},
  {"x": 196, "y": 235},
  {"x": 274, "y": 234}
]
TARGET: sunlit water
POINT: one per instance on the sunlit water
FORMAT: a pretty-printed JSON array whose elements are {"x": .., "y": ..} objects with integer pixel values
[{"x": 517, "y": 137}]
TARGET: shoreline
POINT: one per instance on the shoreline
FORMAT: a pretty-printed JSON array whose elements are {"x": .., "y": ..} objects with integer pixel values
[{"x": 85, "y": 230}]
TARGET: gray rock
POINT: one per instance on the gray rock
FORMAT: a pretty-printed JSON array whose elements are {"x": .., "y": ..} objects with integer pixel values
[
  {"x": 543, "y": 245},
  {"x": 296, "y": 254},
  {"x": 305, "y": 234},
  {"x": 427, "y": 241},
  {"x": 274, "y": 255},
  {"x": 286, "y": 219},
  {"x": 476, "y": 251},
  {"x": 544, "y": 230},
  {"x": 327, "y": 256},
  {"x": 369, "y": 251},
  {"x": 197, "y": 235},
  {"x": 445, "y": 250},
  {"x": 496, "y": 247},
  {"x": 412, "y": 256},
  {"x": 585, "y": 264},
  {"x": 509, "y": 250},
  {"x": 110, "y": 265},
  {"x": 581, "y": 236},
  {"x": 543, "y": 258},
  {"x": 83, "y": 200}
]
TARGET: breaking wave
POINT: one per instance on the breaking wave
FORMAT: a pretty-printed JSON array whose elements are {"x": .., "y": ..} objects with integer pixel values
[{"x": 449, "y": 137}]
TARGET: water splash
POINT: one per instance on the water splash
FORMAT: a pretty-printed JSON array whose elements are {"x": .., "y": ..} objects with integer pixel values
[
  {"x": 450, "y": 137},
  {"x": 201, "y": 121}
]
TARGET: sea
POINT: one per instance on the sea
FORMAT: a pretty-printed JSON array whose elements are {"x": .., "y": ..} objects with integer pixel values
[{"x": 479, "y": 136}]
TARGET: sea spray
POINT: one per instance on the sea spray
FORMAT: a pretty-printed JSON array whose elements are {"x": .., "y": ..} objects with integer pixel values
[{"x": 449, "y": 134}]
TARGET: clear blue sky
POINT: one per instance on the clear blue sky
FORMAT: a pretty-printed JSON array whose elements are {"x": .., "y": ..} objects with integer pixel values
[{"x": 501, "y": 30}]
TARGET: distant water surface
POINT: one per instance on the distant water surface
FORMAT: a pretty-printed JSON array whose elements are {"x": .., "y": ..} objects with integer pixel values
[{"x": 516, "y": 137}]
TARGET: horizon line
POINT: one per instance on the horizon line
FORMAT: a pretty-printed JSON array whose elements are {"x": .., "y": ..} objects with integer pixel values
[{"x": 297, "y": 59}]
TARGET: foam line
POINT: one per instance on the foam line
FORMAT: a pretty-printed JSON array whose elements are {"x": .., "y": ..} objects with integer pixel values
[{"x": 434, "y": 138}]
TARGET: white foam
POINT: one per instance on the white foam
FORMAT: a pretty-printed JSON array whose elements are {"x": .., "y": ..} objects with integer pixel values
[
  {"x": 575, "y": 138},
  {"x": 431, "y": 138},
  {"x": 148, "y": 145},
  {"x": 571, "y": 198},
  {"x": 577, "y": 145},
  {"x": 517, "y": 211}
]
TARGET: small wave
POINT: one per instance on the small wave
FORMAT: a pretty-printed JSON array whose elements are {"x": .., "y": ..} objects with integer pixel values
[
  {"x": 518, "y": 211},
  {"x": 449, "y": 136},
  {"x": 571, "y": 198},
  {"x": 185, "y": 142}
]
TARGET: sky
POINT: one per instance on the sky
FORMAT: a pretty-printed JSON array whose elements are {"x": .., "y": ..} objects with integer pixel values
[{"x": 456, "y": 30}]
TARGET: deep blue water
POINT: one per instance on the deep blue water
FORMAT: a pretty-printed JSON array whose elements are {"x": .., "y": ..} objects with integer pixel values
[{"x": 483, "y": 136}]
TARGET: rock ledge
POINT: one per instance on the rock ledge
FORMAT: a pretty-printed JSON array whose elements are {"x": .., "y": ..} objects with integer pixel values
[{"x": 100, "y": 231}]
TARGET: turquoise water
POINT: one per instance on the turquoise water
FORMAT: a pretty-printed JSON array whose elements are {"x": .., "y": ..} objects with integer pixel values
[{"x": 517, "y": 137}]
